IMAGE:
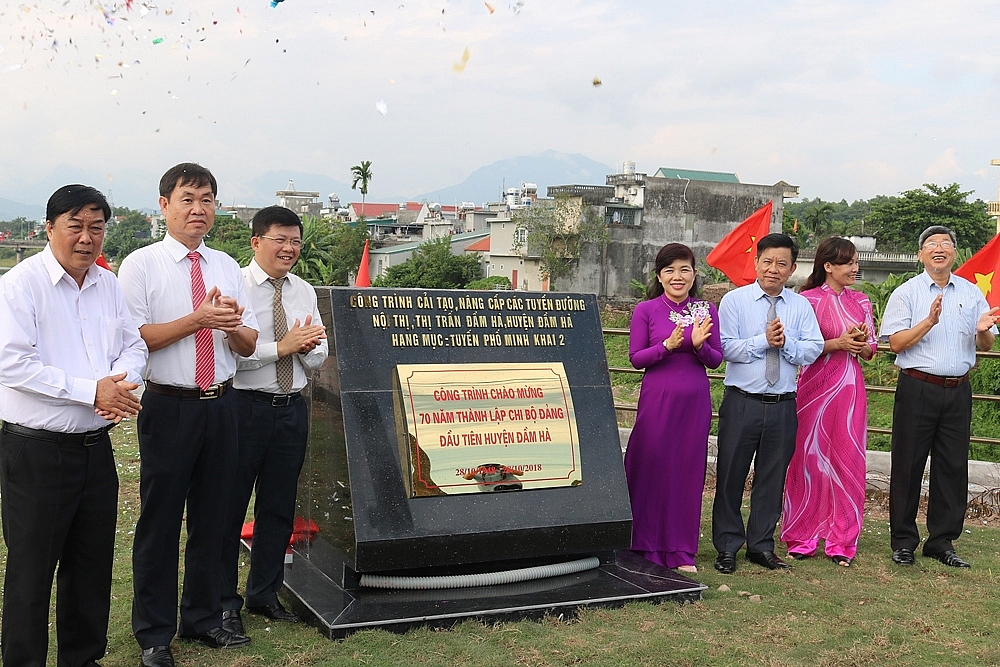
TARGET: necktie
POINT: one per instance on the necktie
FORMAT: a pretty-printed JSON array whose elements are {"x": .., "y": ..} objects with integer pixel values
[
  {"x": 283, "y": 366},
  {"x": 204, "y": 354},
  {"x": 772, "y": 368}
]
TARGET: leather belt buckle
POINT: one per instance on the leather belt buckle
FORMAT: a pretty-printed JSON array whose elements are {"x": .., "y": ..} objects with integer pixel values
[
  {"x": 281, "y": 400},
  {"x": 93, "y": 437},
  {"x": 770, "y": 398},
  {"x": 212, "y": 392}
]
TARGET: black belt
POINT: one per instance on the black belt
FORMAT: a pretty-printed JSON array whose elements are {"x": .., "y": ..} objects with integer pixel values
[
  {"x": 767, "y": 398},
  {"x": 87, "y": 439},
  {"x": 942, "y": 381},
  {"x": 276, "y": 400},
  {"x": 214, "y": 391}
]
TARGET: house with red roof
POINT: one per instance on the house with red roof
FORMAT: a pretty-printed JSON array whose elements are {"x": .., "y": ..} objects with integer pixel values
[{"x": 371, "y": 210}]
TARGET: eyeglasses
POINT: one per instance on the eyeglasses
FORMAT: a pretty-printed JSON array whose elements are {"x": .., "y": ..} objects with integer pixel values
[
  {"x": 295, "y": 243},
  {"x": 944, "y": 245}
]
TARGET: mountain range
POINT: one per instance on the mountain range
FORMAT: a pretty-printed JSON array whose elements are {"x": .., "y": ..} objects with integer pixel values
[{"x": 482, "y": 185}]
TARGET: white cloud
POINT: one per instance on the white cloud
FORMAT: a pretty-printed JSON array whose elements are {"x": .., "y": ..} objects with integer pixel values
[{"x": 846, "y": 99}]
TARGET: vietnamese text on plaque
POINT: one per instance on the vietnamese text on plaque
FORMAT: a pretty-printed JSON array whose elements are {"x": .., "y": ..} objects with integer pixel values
[{"x": 487, "y": 427}]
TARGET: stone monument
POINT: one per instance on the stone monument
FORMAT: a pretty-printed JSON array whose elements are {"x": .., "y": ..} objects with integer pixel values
[{"x": 463, "y": 433}]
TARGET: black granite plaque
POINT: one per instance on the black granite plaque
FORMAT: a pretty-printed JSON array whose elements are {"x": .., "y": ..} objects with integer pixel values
[
  {"x": 356, "y": 487},
  {"x": 359, "y": 483}
]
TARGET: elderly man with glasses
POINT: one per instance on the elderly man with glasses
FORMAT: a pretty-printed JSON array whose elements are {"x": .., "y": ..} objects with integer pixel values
[{"x": 934, "y": 321}]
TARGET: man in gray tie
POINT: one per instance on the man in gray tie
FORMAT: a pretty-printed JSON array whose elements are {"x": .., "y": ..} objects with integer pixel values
[
  {"x": 767, "y": 332},
  {"x": 273, "y": 420}
]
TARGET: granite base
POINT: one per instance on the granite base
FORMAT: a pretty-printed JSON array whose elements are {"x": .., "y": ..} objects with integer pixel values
[{"x": 338, "y": 612}]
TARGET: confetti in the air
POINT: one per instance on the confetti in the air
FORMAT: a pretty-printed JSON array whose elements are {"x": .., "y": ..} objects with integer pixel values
[
  {"x": 382, "y": 107},
  {"x": 158, "y": 40},
  {"x": 459, "y": 67},
  {"x": 274, "y": 3},
  {"x": 597, "y": 82},
  {"x": 489, "y": 7}
]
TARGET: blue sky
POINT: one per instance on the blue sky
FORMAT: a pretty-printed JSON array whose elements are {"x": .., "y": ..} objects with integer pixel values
[{"x": 845, "y": 99}]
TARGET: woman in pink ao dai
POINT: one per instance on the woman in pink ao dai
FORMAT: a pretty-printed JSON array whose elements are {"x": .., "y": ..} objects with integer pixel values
[{"x": 825, "y": 485}]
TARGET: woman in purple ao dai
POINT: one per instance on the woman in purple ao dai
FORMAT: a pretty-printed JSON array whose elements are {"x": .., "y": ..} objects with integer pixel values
[
  {"x": 671, "y": 336},
  {"x": 825, "y": 485}
]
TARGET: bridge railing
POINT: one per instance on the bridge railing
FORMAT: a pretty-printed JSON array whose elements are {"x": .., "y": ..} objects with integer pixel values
[{"x": 883, "y": 389}]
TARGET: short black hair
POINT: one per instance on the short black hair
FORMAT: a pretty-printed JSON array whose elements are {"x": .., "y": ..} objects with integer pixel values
[
  {"x": 71, "y": 198},
  {"x": 778, "y": 241},
  {"x": 274, "y": 216},
  {"x": 187, "y": 173}
]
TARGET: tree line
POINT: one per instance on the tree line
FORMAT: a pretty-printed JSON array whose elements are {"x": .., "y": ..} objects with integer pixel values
[{"x": 896, "y": 222}]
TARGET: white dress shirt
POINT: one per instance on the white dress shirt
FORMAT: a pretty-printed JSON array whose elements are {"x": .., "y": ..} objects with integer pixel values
[
  {"x": 949, "y": 348},
  {"x": 57, "y": 339},
  {"x": 298, "y": 298},
  {"x": 156, "y": 281}
]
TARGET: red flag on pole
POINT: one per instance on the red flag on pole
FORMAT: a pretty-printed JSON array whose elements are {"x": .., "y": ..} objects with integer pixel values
[
  {"x": 363, "y": 280},
  {"x": 983, "y": 270},
  {"x": 736, "y": 252},
  {"x": 101, "y": 262}
]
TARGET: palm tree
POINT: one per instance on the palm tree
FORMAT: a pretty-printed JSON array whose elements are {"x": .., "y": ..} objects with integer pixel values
[
  {"x": 315, "y": 262},
  {"x": 818, "y": 218},
  {"x": 362, "y": 174}
]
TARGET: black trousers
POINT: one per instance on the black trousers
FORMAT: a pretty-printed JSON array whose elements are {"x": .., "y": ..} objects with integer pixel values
[
  {"x": 59, "y": 505},
  {"x": 749, "y": 428},
  {"x": 272, "y": 448},
  {"x": 187, "y": 448},
  {"x": 935, "y": 420}
]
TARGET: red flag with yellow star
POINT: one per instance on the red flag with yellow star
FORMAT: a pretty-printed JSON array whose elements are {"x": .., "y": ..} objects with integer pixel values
[
  {"x": 983, "y": 270},
  {"x": 736, "y": 252}
]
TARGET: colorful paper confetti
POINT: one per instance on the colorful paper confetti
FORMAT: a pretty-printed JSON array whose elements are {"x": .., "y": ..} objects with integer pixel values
[{"x": 459, "y": 67}]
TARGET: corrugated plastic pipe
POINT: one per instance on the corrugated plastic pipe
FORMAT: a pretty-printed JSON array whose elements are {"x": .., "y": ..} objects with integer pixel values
[{"x": 484, "y": 579}]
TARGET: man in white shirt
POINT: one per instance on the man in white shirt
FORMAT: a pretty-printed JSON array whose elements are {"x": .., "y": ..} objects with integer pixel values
[
  {"x": 192, "y": 309},
  {"x": 935, "y": 321},
  {"x": 70, "y": 357},
  {"x": 273, "y": 420}
]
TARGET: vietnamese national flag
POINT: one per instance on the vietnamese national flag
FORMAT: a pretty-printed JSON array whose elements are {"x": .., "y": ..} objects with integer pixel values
[
  {"x": 736, "y": 252},
  {"x": 983, "y": 270},
  {"x": 363, "y": 280},
  {"x": 101, "y": 262}
]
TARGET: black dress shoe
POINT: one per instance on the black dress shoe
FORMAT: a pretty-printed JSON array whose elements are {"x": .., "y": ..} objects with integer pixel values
[
  {"x": 949, "y": 558},
  {"x": 219, "y": 638},
  {"x": 275, "y": 612},
  {"x": 156, "y": 656},
  {"x": 232, "y": 621},
  {"x": 903, "y": 556},
  {"x": 725, "y": 562},
  {"x": 767, "y": 559}
]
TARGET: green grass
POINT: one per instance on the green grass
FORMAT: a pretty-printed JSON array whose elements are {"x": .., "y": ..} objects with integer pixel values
[{"x": 874, "y": 613}]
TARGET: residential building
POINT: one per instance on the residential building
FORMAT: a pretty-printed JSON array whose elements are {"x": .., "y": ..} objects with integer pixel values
[
  {"x": 302, "y": 202},
  {"x": 380, "y": 259},
  {"x": 643, "y": 213}
]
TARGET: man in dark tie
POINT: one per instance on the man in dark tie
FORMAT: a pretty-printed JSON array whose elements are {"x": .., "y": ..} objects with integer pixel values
[
  {"x": 767, "y": 332},
  {"x": 191, "y": 307},
  {"x": 273, "y": 416}
]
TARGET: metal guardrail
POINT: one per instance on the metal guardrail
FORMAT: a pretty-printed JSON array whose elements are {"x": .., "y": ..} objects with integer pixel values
[{"x": 882, "y": 389}]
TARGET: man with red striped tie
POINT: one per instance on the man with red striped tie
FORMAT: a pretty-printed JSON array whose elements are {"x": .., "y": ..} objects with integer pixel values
[{"x": 192, "y": 310}]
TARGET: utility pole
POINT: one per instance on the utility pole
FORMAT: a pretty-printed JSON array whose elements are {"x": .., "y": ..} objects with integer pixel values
[{"x": 994, "y": 209}]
